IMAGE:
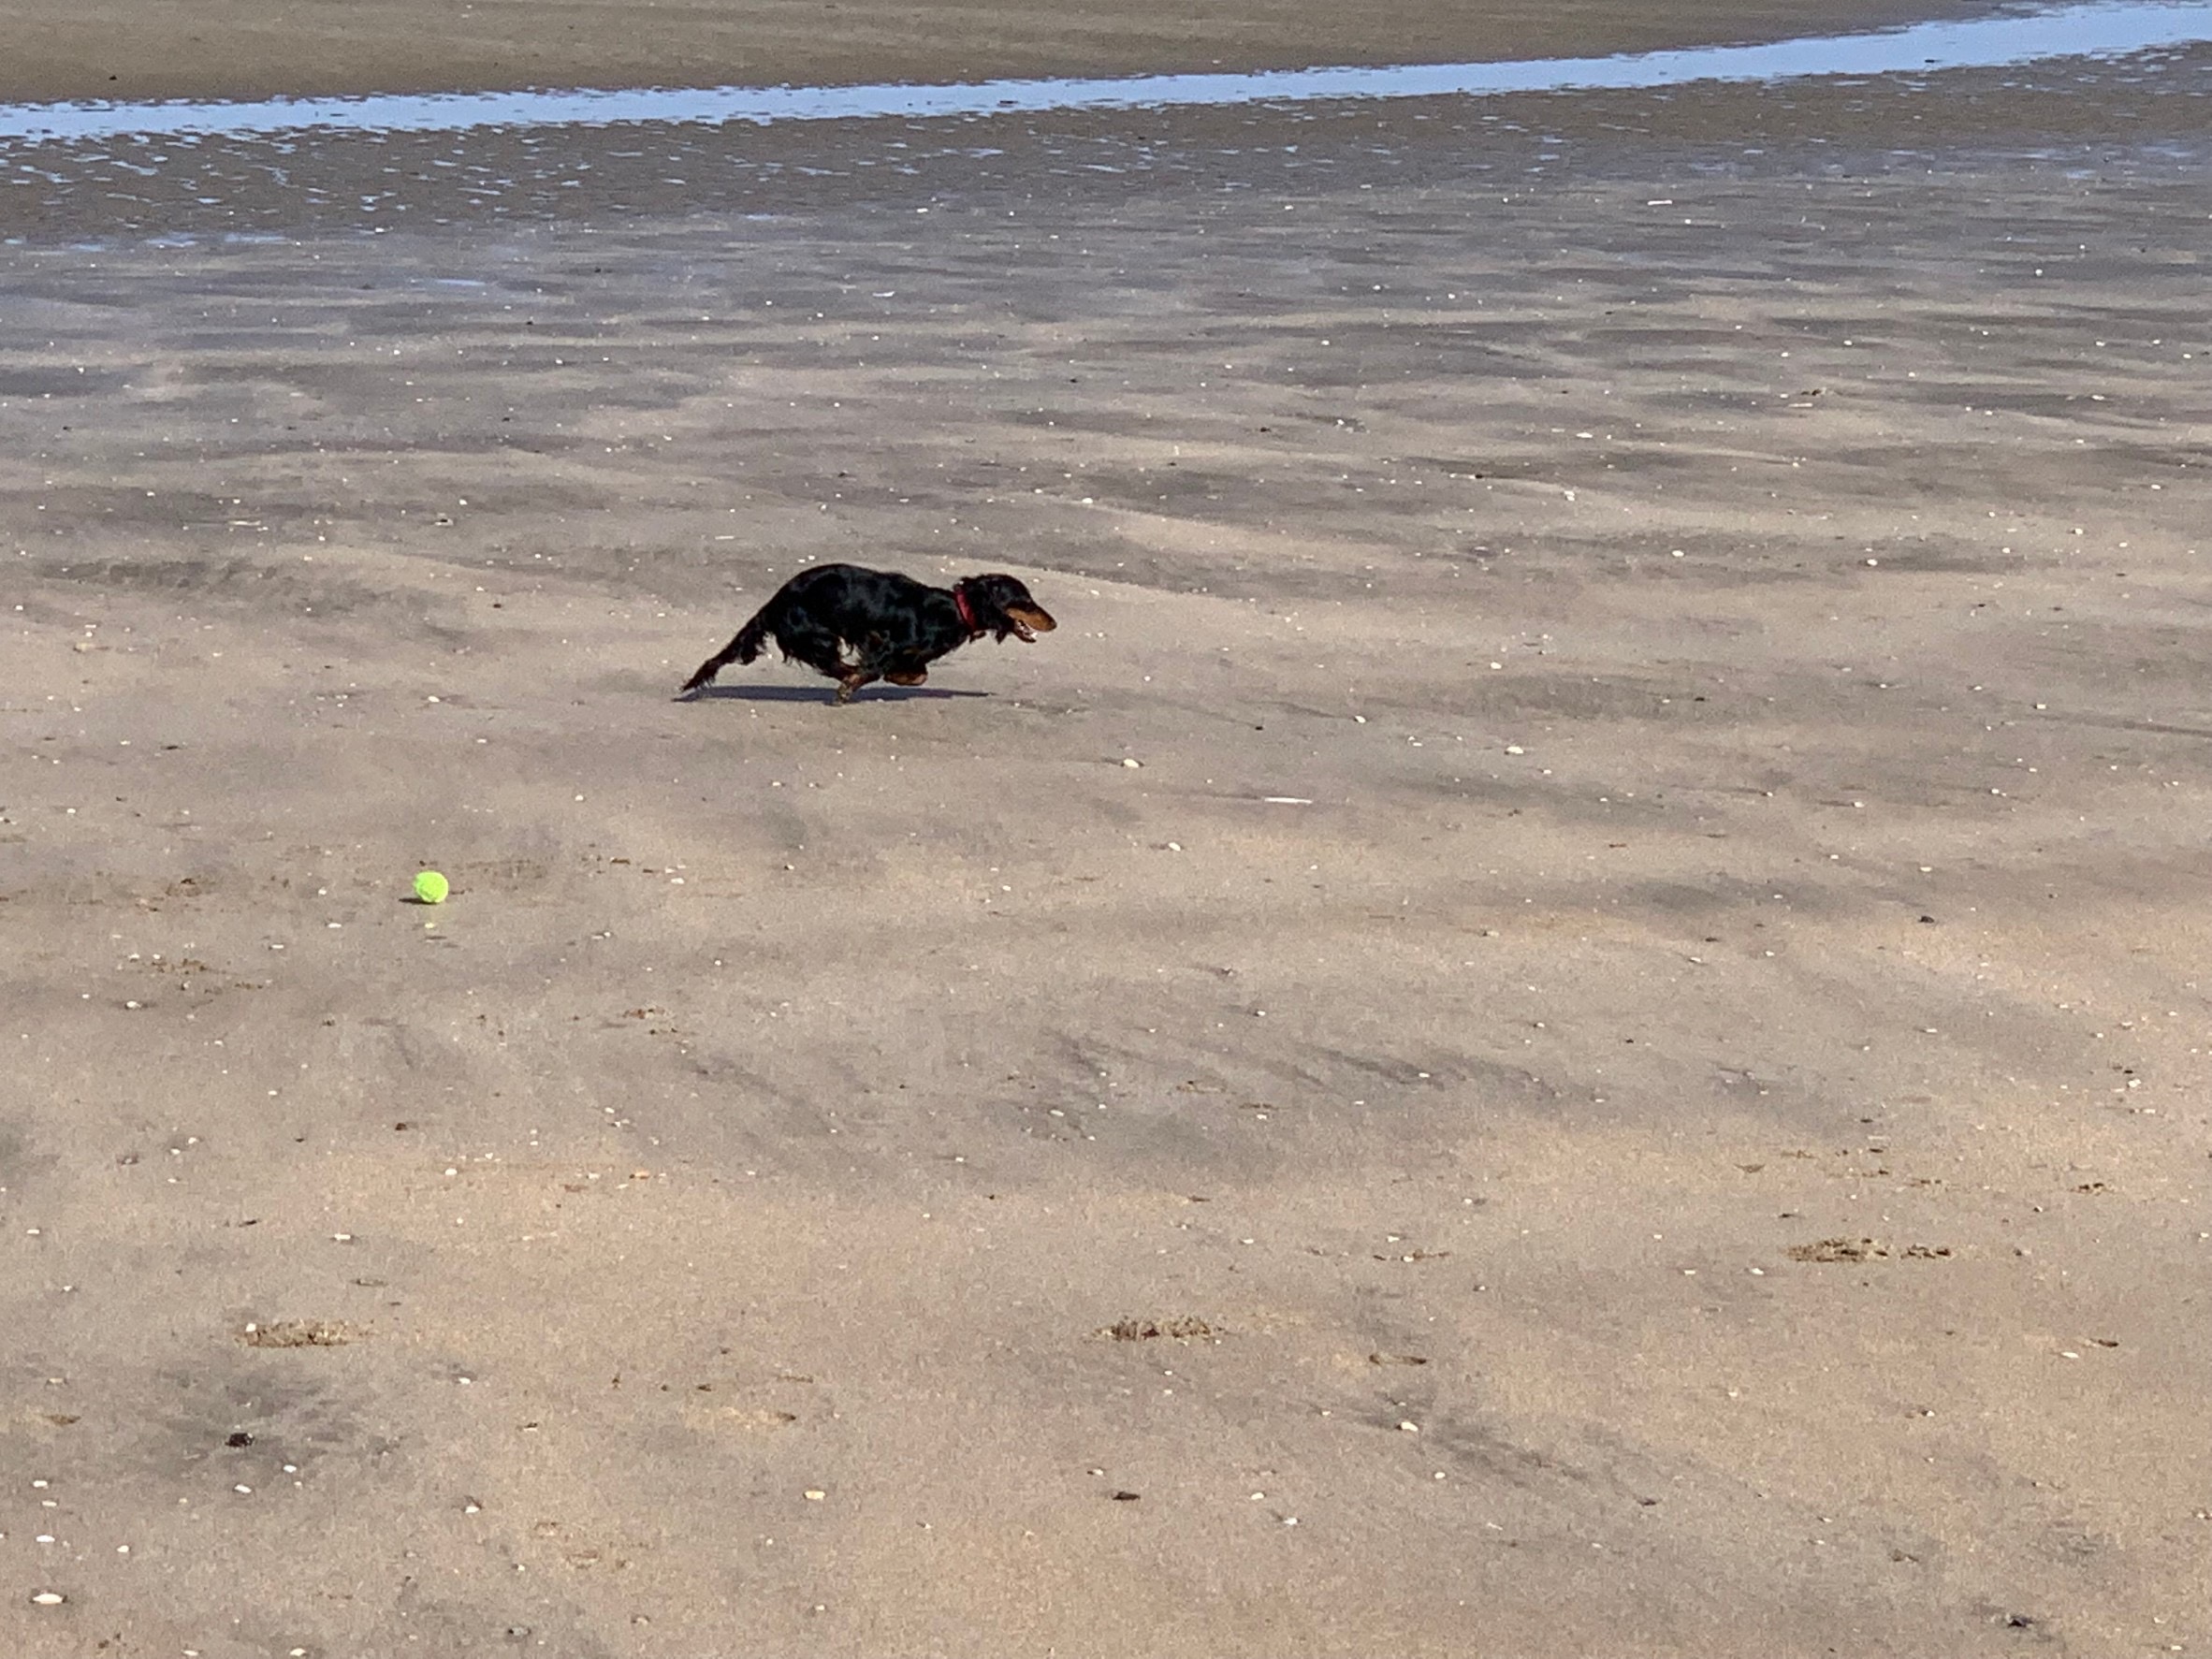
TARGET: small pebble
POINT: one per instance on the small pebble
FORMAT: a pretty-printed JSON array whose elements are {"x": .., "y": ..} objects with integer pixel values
[
  {"x": 49, "y": 1598},
  {"x": 814, "y": 1496},
  {"x": 1515, "y": 749},
  {"x": 1131, "y": 761}
]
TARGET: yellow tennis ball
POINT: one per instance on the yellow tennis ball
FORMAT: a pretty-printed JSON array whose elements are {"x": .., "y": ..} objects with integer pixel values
[{"x": 431, "y": 887}]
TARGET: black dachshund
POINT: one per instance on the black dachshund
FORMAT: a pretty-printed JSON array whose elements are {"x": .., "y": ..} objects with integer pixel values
[{"x": 859, "y": 625}]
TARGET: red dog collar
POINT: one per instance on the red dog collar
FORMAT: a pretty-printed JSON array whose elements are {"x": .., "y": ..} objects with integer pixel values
[{"x": 966, "y": 616}]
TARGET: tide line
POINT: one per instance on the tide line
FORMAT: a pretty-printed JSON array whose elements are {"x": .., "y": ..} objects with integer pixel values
[{"x": 1999, "y": 41}]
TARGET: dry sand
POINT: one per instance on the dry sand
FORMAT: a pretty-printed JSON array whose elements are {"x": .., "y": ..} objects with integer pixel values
[{"x": 1685, "y": 1133}]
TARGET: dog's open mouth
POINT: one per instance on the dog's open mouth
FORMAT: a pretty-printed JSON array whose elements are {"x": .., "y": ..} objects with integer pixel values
[{"x": 1030, "y": 622}]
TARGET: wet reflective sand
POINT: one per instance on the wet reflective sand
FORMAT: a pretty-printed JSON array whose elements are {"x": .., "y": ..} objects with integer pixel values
[
  {"x": 249, "y": 48},
  {"x": 2105, "y": 30}
]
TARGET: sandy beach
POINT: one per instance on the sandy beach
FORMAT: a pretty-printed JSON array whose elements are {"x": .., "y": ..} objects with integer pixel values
[
  {"x": 169, "y": 49},
  {"x": 1565, "y": 1017}
]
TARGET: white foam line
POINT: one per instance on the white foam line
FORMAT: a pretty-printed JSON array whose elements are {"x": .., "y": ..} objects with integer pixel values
[{"x": 1991, "y": 42}]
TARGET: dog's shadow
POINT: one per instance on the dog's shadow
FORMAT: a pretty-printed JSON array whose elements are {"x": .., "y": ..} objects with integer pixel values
[{"x": 875, "y": 694}]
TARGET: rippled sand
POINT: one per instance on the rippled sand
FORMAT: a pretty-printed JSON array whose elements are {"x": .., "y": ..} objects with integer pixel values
[{"x": 1636, "y": 1031}]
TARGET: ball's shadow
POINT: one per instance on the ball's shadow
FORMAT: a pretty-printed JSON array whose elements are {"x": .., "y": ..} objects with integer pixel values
[{"x": 875, "y": 693}]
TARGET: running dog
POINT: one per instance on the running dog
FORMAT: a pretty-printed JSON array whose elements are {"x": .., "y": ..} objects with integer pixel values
[{"x": 857, "y": 626}]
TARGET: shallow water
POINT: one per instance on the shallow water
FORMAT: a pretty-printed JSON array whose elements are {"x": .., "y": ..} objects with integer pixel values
[{"x": 1993, "y": 42}]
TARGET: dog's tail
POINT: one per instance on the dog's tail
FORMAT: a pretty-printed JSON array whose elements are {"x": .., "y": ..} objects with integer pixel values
[{"x": 751, "y": 640}]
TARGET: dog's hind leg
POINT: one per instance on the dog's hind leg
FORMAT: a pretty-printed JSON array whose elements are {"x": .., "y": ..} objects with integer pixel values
[
  {"x": 826, "y": 654},
  {"x": 813, "y": 645}
]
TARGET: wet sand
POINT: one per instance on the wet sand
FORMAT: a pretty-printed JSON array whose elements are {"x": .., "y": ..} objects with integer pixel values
[
  {"x": 1640, "y": 1010},
  {"x": 167, "y": 49}
]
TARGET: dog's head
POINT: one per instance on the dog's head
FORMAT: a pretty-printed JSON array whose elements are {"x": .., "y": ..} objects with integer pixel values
[{"x": 1001, "y": 605}]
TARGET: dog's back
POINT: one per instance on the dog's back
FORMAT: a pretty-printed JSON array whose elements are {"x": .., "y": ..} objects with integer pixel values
[{"x": 833, "y": 594}]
